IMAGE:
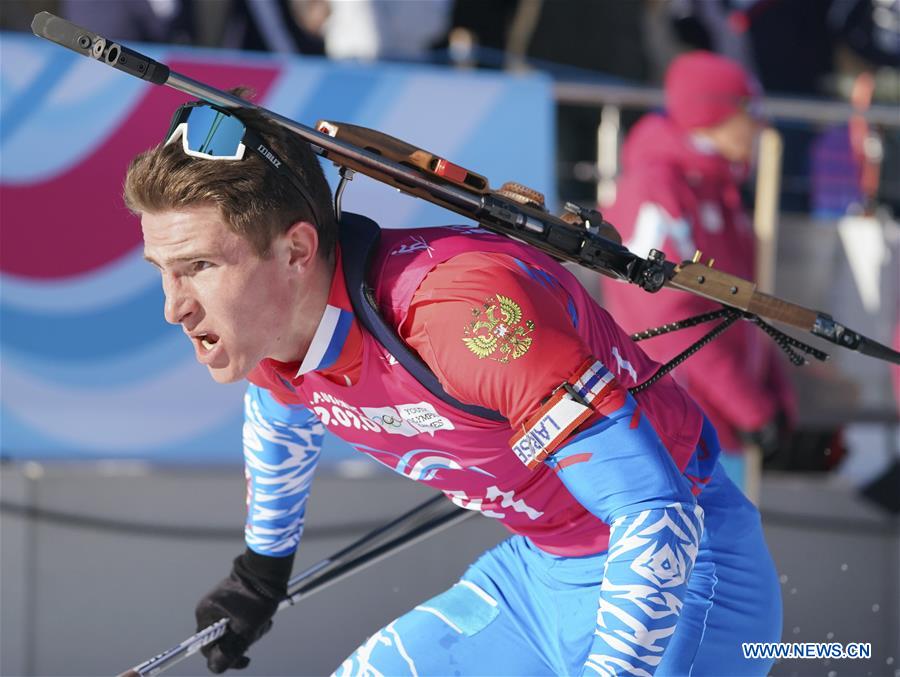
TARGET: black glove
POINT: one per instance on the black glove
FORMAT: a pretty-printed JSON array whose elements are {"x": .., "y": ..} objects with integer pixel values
[
  {"x": 248, "y": 598},
  {"x": 772, "y": 437}
]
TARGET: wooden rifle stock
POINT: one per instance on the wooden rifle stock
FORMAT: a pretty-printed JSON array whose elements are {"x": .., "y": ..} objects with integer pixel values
[{"x": 737, "y": 292}]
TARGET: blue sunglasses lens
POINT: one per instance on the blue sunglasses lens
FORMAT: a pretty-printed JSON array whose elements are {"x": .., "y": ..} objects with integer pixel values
[{"x": 213, "y": 133}]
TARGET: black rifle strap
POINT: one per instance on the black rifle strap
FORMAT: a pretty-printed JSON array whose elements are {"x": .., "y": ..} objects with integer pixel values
[
  {"x": 359, "y": 237},
  {"x": 730, "y": 316},
  {"x": 791, "y": 346},
  {"x": 680, "y": 324}
]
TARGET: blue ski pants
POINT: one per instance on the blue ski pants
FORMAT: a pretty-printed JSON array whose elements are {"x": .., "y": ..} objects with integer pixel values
[{"x": 520, "y": 611}]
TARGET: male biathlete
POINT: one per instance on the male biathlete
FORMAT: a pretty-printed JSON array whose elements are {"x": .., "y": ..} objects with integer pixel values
[{"x": 632, "y": 553}]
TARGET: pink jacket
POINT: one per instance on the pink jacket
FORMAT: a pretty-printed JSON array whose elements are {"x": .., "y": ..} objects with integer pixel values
[{"x": 678, "y": 198}]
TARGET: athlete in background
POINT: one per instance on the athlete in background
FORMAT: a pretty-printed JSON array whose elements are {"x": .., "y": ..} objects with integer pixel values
[
  {"x": 679, "y": 193},
  {"x": 632, "y": 553}
]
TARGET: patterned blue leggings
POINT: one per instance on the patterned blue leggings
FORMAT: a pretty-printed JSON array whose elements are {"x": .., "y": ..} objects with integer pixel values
[{"x": 519, "y": 611}]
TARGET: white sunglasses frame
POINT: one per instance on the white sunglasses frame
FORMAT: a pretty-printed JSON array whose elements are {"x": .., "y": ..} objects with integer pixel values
[{"x": 181, "y": 130}]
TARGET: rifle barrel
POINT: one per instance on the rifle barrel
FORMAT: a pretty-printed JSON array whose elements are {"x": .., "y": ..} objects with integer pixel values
[{"x": 534, "y": 226}]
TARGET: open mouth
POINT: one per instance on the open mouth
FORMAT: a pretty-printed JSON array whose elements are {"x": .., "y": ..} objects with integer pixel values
[{"x": 208, "y": 341}]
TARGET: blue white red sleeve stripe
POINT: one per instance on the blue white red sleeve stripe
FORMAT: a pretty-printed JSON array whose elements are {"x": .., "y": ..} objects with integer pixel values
[{"x": 592, "y": 382}]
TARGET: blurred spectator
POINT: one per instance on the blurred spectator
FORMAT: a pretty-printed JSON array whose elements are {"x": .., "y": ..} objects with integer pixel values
[
  {"x": 385, "y": 29},
  {"x": 794, "y": 47},
  {"x": 280, "y": 26},
  {"x": 566, "y": 38},
  {"x": 136, "y": 20},
  {"x": 718, "y": 26},
  {"x": 484, "y": 28},
  {"x": 846, "y": 164},
  {"x": 559, "y": 36},
  {"x": 787, "y": 44},
  {"x": 846, "y": 161},
  {"x": 871, "y": 28},
  {"x": 790, "y": 51},
  {"x": 679, "y": 193}
]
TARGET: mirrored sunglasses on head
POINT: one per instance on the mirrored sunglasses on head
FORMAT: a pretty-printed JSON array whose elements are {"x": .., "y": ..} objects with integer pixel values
[{"x": 213, "y": 133}]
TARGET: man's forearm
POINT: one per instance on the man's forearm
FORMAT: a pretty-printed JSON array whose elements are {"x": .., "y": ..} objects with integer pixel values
[
  {"x": 650, "y": 559},
  {"x": 619, "y": 470},
  {"x": 281, "y": 450}
]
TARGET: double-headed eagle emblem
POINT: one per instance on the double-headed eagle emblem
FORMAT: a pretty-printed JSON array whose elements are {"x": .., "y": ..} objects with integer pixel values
[{"x": 501, "y": 339}]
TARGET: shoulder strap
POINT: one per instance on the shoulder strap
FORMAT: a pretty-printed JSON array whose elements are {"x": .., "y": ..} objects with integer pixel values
[{"x": 359, "y": 241}]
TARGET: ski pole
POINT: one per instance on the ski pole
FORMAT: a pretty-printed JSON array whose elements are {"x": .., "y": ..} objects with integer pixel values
[{"x": 413, "y": 526}]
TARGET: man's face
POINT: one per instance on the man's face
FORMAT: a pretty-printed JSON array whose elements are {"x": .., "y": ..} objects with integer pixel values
[{"x": 236, "y": 307}]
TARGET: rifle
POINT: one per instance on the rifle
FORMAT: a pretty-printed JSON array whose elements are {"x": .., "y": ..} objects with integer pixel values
[{"x": 579, "y": 234}]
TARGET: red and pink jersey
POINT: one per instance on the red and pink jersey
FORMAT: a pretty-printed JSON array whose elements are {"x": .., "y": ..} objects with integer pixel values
[{"x": 501, "y": 325}]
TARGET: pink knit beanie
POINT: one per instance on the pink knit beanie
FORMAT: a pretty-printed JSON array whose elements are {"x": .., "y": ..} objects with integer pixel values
[{"x": 704, "y": 89}]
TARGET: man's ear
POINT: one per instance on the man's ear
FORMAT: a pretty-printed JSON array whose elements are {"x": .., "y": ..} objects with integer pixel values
[{"x": 302, "y": 243}]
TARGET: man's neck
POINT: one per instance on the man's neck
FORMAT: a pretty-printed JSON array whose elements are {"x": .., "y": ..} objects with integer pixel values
[{"x": 307, "y": 312}]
